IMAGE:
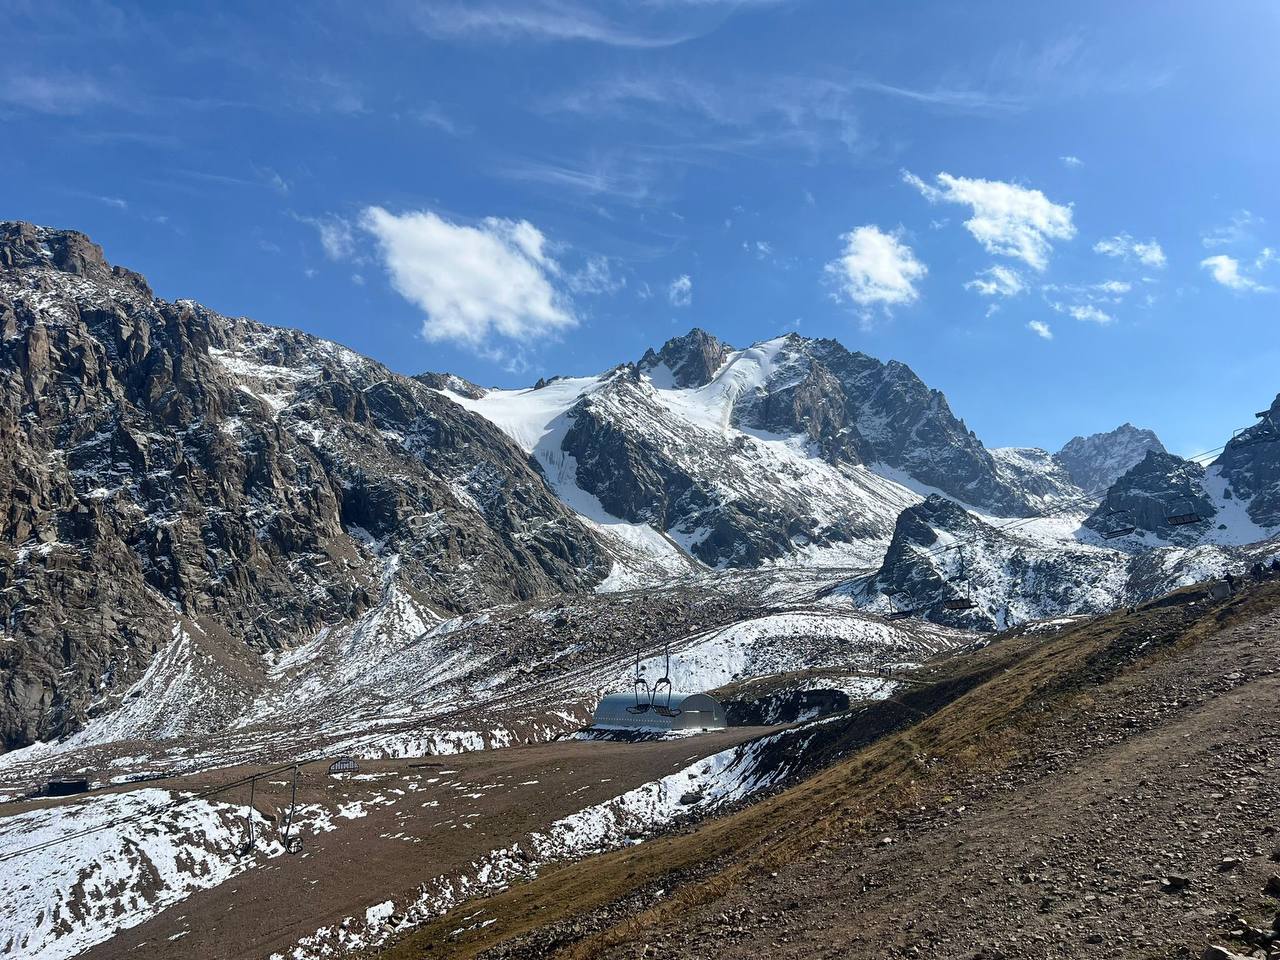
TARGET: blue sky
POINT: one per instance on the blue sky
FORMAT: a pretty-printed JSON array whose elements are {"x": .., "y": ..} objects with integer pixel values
[{"x": 1063, "y": 218}]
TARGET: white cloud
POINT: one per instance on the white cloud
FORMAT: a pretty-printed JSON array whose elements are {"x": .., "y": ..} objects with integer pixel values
[
  {"x": 876, "y": 269},
  {"x": 1040, "y": 329},
  {"x": 1266, "y": 257},
  {"x": 997, "y": 281},
  {"x": 1116, "y": 288},
  {"x": 1226, "y": 270},
  {"x": 1008, "y": 220},
  {"x": 1069, "y": 161},
  {"x": 1123, "y": 246},
  {"x": 680, "y": 293},
  {"x": 472, "y": 282},
  {"x": 1084, "y": 311}
]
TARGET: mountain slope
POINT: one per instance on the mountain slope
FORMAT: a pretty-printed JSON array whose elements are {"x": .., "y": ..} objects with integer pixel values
[
  {"x": 1099, "y": 790},
  {"x": 162, "y": 465}
]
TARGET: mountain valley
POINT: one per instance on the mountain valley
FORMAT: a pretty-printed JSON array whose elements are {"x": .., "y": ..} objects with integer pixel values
[{"x": 232, "y": 553}]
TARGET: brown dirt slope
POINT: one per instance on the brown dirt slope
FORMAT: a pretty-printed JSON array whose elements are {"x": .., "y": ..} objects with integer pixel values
[
  {"x": 1106, "y": 791},
  {"x": 418, "y": 819}
]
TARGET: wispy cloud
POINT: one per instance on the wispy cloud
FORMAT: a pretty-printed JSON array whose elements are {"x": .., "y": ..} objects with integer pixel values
[
  {"x": 694, "y": 114},
  {"x": 1084, "y": 311},
  {"x": 1073, "y": 66},
  {"x": 753, "y": 112},
  {"x": 1040, "y": 329},
  {"x": 59, "y": 94},
  {"x": 1008, "y": 219},
  {"x": 595, "y": 277},
  {"x": 435, "y": 116},
  {"x": 997, "y": 281},
  {"x": 1071, "y": 161},
  {"x": 337, "y": 238},
  {"x": 549, "y": 20},
  {"x": 1122, "y": 246},
  {"x": 624, "y": 178},
  {"x": 1240, "y": 229},
  {"x": 273, "y": 179}
]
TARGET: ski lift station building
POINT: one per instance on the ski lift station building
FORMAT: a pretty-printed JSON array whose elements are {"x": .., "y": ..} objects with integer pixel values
[{"x": 687, "y": 711}]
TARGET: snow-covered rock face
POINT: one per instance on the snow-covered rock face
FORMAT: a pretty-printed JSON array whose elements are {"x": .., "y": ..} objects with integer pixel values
[
  {"x": 1099, "y": 460},
  {"x": 792, "y": 450},
  {"x": 163, "y": 467},
  {"x": 1012, "y": 574},
  {"x": 1159, "y": 487},
  {"x": 1250, "y": 470},
  {"x": 1016, "y": 571}
]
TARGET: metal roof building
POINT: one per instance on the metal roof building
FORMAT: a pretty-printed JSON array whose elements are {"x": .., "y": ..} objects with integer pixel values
[{"x": 688, "y": 711}]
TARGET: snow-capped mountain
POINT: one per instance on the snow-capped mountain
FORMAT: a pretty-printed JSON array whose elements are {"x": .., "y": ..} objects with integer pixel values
[
  {"x": 1037, "y": 568},
  {"x": 789, "y": 449},
  {"x": 1249, "y": 470},
  {"x": 1095, "y": 462},
  {"x": 1128, "y": 548}
]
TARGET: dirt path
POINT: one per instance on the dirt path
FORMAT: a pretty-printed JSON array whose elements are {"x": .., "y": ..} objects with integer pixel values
[
  {"x": 1168, "y": 773},
  {"x": 405, "y": 824}
]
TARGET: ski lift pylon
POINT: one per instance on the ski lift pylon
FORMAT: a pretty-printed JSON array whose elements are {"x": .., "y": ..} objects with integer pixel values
[
  {"x": 665, "y": 709},
  {"x": 636, "y": 685},
  {"x": 292, "y": 842},
  {"x": 1266, "y": 431},
  {"x": 251, "y": 838}
]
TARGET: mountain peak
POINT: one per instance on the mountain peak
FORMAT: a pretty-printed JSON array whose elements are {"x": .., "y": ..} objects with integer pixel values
[
  {"x": 26, "y": 246},
  {"x": 692, "y": 359},
  {"x": 1098, "y": 460}
]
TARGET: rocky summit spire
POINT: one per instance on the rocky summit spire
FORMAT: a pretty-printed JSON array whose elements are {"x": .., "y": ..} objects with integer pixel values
[{"x": 692, "y": 359}]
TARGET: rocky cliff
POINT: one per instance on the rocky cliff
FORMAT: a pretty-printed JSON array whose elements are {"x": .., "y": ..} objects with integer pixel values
[{"x": 163, "y": 464}]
